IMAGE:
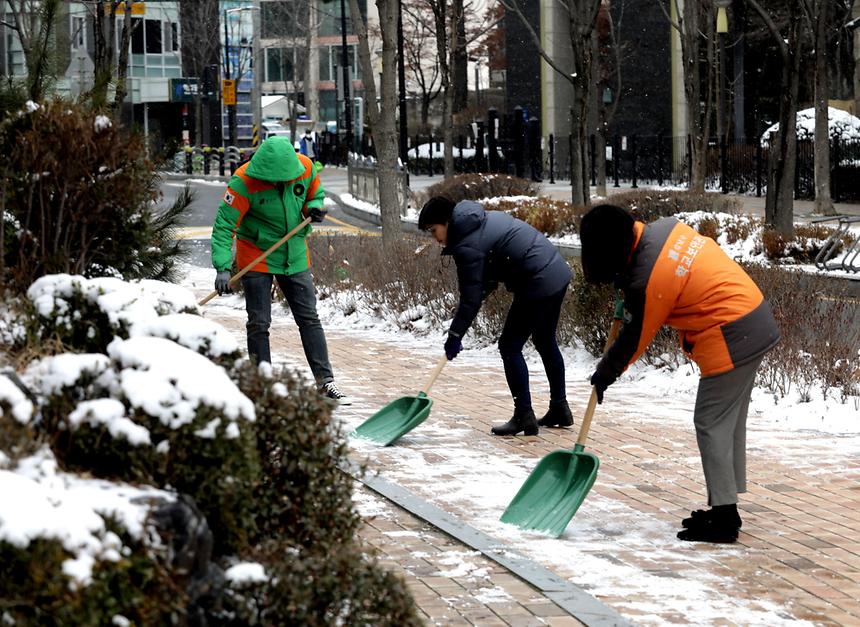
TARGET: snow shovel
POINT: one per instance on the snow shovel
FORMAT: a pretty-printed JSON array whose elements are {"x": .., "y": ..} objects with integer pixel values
[
  {"x": 559, "y": 484},
  {"x": 262, "y": 256},
  {"x": 400, "y": 416}
]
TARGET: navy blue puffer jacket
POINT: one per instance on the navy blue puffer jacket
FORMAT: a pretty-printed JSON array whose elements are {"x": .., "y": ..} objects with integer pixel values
[{"x": 491, "y": 247}]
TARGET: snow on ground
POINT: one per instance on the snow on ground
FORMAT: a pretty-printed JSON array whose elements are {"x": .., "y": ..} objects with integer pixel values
[{"x": 802, "y": 430}]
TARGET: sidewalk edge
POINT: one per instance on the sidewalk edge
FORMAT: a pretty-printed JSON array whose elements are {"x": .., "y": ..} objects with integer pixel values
[{"x": 566, "y": 595}]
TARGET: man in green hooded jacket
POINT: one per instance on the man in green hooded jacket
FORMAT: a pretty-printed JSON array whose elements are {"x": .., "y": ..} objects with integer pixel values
[{"x": 265, "y": 199}]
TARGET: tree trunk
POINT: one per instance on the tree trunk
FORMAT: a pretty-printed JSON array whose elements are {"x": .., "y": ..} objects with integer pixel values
[
  {"x": 823, "y": 201},
  {"x": 122, "y": 64},
  {"x": 381, "y": 115}
]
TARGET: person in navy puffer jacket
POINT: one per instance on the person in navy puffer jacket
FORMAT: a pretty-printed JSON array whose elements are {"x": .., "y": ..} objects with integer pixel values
[{"x": 491, "y": 247}]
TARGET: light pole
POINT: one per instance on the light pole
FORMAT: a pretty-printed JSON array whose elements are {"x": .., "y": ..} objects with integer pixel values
[{"x": 231, "y": 107}]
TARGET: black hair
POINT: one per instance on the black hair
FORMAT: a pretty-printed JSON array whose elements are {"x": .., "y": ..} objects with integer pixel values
[
  {"x": 606, "y": 233},
  {"x": 437, "y": 210}
]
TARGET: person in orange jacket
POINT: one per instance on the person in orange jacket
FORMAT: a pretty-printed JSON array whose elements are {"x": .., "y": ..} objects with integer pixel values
[{"x": 670, "y": 274}]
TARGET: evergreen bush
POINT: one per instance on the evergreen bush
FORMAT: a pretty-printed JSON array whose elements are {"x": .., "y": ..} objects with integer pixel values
[
  {"x": 82, "y": 192},
  {"x": 259, "y": 479}
]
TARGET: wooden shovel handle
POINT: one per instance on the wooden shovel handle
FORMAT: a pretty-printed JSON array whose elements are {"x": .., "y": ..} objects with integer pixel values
[
  {"x": 592, "y": 402},
  {"x": 442, "y": 361},
  {"x": 262, "y": 256}
]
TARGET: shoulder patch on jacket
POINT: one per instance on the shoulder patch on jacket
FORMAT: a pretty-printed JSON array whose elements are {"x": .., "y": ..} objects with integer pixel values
[{"x": 229, "y": 197}]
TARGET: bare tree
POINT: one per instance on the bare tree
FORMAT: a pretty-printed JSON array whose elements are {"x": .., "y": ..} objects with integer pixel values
[
  {"x": 582, "y": 19},
  {"x": 694, "y": 21},
  {"x": 825, "y": 17},
  {"x": 293, "y": 25},
  {"x": 418, "y": 46},
  {"x": 782, "y": 161},
  {"x": 609, "y": 48},
  {"x": 122, "y": 63},
  {"x": 200, "y": 50},
  {"x": 447, "y": 20},
  {"x": 33, "y": 21},
  {"x": 382, "y": 112}
]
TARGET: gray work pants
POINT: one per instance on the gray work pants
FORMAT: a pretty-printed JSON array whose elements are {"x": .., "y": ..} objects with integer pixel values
[{"x": 720, "y": 418}]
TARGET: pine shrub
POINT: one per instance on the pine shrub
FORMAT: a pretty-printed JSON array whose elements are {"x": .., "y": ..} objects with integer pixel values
[{"x": 81, "y": 191}]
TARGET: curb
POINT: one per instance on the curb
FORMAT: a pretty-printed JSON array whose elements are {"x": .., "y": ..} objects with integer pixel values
[{"x": 566, "y": 595}]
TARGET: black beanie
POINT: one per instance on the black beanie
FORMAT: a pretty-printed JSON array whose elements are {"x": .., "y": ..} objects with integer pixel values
[
  {"x": 437, "y": 210},
  {"x": 606, "y": 233}
]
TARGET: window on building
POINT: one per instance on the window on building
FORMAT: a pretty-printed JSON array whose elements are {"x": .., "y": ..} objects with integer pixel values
[
  {"x": 174, "y": 37},
  {"x": 328, "y": 15},
  {"x": 136, "y": 35},
  {"x": 153, "y": 37},
  {"x": 331, "y": 58},
  {"x": 279, "y": 64},
  {"x": 280, "y": 19},
  {"x": 78, "y": 35}
]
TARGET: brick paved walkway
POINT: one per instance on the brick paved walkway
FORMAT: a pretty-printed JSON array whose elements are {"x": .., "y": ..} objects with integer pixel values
[{"x": 798, "y": 557}]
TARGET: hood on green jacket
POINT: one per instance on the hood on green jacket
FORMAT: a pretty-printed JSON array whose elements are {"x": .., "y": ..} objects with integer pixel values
[{"x": 275, "y": 160}]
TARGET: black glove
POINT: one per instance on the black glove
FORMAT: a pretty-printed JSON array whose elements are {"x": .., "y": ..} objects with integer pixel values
[
  {"x": 453, "y": 346},
  {"x": 222, "y": 282},
  {"x": 601, "y": 379},
  {"x": 317, "y": 214}
]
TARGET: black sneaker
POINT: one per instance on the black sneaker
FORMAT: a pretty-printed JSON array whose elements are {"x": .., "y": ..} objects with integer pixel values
[
  {"x": 558, "y": 415},
  {"x": 522, "y": 420},
  {"x": 332, "y": 392}
]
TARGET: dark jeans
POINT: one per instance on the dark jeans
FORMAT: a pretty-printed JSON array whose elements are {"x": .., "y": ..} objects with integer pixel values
[
  {"x": 537, "y": 319},
  {"x": 299, "y": 290}
]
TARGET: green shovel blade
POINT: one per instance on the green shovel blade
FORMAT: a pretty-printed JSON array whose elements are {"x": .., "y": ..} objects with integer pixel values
[
  {"x": 395, "y": 419},
  {"x": 553, "y": 491}
]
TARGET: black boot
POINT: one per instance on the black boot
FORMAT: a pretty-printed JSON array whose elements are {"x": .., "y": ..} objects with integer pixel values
[
  {"x": 558, "y": 415},
  {"x": 719, "y": 524},
  {"x": 522, "y": 420},
  {"x": 726, "y": 513}
]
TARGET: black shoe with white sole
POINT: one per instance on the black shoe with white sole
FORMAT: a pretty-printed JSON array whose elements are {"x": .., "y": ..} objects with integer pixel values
[{"x": 332, "y": 392}]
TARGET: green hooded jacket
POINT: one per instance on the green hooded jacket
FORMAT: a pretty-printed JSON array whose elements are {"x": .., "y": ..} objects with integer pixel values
[{"x": 265, "y": 199}]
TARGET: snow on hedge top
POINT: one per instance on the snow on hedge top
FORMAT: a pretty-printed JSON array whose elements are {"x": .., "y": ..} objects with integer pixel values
[
  {"x": 52, "y": 374},
  {"x": 111, "y": 413},
  {"x": 246, "y": 572},
  {"x": 842, "y": 125},
  {"x": 121, "y": 301},
  {"x": 189, "y": 330},
  {"x": 170, "y": 381},
  {"x": 70, "y": 509},
  {"x": 12, "y": 396}
]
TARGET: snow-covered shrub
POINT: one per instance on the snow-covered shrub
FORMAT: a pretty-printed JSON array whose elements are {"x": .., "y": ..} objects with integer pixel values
[
  {"x": 820, "y": 331},
  {"x": 841, "y": 125},
  {"x": 251, "y": 454},
  {"x": 307, "y": 587},
  {"x": 478, "y": 186},
  {"x": 650, "y": 204},
  {"x": 83, "y": 194},
  {"x": 17, "y": 437},
  {"x": 87, "y": 314},
  {"x": 154, "y": 411},
  {"x": 76, "y": 551},
  {"x": 803, "y": 247},
  {"x": 549, "y": 216}
]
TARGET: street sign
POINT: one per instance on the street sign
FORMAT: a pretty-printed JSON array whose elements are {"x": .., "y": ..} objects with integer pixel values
[
  {"x": 183, "y": 89},
  {"x": 228, "y": 91},
  {"x": 137, "y": 8}
]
